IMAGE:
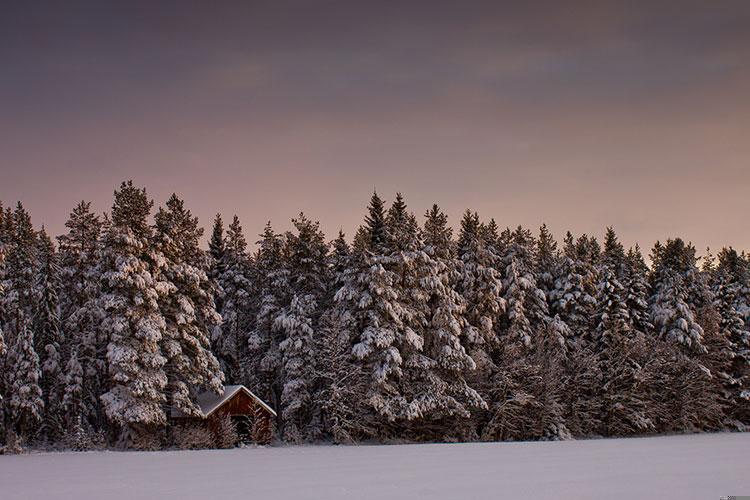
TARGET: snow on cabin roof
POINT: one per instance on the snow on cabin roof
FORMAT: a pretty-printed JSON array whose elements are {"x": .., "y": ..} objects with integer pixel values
[{"x": 209, "y": 401}]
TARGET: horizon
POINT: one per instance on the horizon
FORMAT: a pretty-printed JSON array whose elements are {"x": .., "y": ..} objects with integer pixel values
[{"x": 454, "y": 221}]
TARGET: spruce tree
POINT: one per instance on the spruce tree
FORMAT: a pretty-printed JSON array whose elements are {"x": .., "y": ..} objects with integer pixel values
[
  {"x": 574, "y": 295},
  {"x": 547, "y": 261},
  {"x": 80, "y": 251},
  {"x": 297, "y": 325},
  {"x": 230, "y": 339},
  {"x": 636, "y": 287},
  {"x": 188, "y": 309},
  {"x": 446, "y": 333},
  {"x": 527, "y": 309},
  {"x": 343, "y": 380},
  {"x": 49, "y": 337},
  {"x": 22, "y": 372},
  {"x": 675, "y": 295},
  {"x": 26, "y": 403},
  {"x": 217, "y": 256},
  {"x": 132, "y": 286},
  {"x": 479, "y": 283}
]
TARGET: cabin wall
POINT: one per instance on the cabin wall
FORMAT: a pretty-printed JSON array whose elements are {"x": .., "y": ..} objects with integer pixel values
[{"x": 260, "y": 423}]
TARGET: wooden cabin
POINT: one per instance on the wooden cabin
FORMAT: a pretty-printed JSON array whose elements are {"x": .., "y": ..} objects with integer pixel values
[{"x": 252, "y": 417}]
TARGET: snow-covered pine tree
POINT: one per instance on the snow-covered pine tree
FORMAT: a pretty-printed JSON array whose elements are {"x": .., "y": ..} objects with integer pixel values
[
  {"x": 74, "y": 395},
  {"x": 735, "y": 270},
  {"x": 4, "y": 242},
  {"x": 370, "y": 296},
  {"x": 614, "y": 256},
  {"x": 297, "y": 326},
  {"x": 217, "y": 246},
  {"x": 272, "y": 289},
  {"x": 619, "y": 350},
  {"x": 188, "y": 309},
  {"x": 131, "y": 288},
  {"x": 343, "y": 380},
  {"x": 674, "y": 290},
  {"x": 22, "y": 372},
  {"x": 479, "y": 283},
  {"x": 25, "y": 404},
  {"x": 445, "y": 342},
  {"x": 734, "y": 369},
  {"x": 574, "y": 294},
  {"x": 526, "y": 303},
  {"x": 49, "y": 338},
  {"x": 637, "y": 289},
  {"x": 547, "y": 261},
  {"x": 79, "y": 255},
  {"x": 229, "y": 341}
]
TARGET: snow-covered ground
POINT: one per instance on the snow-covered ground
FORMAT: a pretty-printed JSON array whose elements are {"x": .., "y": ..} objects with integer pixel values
[{"x": 686, "y": 467}]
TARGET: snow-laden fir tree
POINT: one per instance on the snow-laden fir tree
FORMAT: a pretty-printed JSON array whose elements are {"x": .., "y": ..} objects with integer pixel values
[
  {"x": 619, "y": 352},
  {"x": 229, "y": 340},
  {"x": 342, "y": 380},
  {"x": 674, "y": 291},
  {"x": 25, "y": 401},
  {"x": 734, "y": 368},
  {"x": 74, "y": 391},
  {"x": 479, "y": 283},
  {"x": 637, "y": 290},
  {"x": 217, "y": 247},
  {"x": 574, "y": 295},
  {"x": 297, "y": 325},
  {"x": 188, "y": 309},
  {"x": 21, "y": 263},
  {"x": 735, "y": 270},
  {"x": 272, "y": 292},
  {"x": 48, "y": 334},
  {"x": 547, "y": 261},
  {"x": 526, "y": 303},
  {"x": 132, "y": 285},
  {"x": 445, "y": 337},
  {"x": 79, "y": 252},
  {"x": 22, "y": 371},
  {"x": 370, "y": 295}
]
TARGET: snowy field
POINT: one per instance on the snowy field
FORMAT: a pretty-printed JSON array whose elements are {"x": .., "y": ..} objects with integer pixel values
[{"x": 701, "y": 467}]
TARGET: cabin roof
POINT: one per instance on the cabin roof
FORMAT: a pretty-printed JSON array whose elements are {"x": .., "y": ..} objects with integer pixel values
[{"x": 209, "y": 402}]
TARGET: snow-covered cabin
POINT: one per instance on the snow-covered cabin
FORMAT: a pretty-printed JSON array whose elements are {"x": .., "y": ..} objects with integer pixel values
[{"x": 252, "y": 417}]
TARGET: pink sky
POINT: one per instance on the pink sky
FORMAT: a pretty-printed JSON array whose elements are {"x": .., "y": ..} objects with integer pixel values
[{"x": 580, "y": 117}]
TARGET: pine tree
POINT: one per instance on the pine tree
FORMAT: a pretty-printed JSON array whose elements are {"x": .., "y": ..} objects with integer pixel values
[
  {"x": 445, "y": 336},
  {"x": 132, "y": 287},
  {"x": 188, "y": 309},
  {"x": 547, "y": 261},
  {"x": 230, "y": 339},
  {"x": 636, "y": 287},
  {"x": 375, "y": 224},
  {"x": 26, "y": 404},
  {"x": 526, "y": 303},
  {"x": 297, "y": 325},
  {"x": 80, "y": 251},
  {"x": 676, "y": 292},
  {"x": 735, "y": 366},
  {"x": 49, "y": 338},
  {"x": 374, "y": 296},
  {"x": 574, "y": 295},
  {"x": 22, "y": 372},
  {"x": 343, "y": 381},
  {"x": 217, "y": 256},
  {"x": 273, "y": 291},
  {"x": 74, "y": 397},
  {"x": 479, "y": 283},
  {"x": 735, "y": 269}
]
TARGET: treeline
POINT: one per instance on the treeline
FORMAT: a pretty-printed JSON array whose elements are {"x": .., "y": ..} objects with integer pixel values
[{"x": 404, "y": 333}]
